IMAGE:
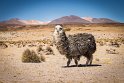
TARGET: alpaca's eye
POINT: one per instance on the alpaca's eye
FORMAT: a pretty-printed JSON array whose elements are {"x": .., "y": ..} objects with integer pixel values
[{"x": 60, "y": 28}]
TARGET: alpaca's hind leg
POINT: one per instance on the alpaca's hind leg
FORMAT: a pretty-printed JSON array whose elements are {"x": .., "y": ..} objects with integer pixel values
[
  {"x": 87, "y": 61},
  {"x": 68, "y": 62},
  {"x": 76, "y": 62},
  {"x": 91, "y": 59}
]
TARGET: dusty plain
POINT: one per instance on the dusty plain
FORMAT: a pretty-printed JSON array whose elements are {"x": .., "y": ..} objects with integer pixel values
[{"x": 107, "y": 67}]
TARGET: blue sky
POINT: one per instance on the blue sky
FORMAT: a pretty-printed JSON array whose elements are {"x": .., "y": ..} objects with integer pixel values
[{"x": 47, "y": 10}]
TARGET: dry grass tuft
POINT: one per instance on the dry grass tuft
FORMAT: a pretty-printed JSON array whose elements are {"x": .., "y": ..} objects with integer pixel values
[
  {"x": 115, "y": 44},
  {"x": 101, "y": 43},
  {"x": 97, "y": 59},
  {"x": 47, "y": 50},
  {"x": 111, "y": 51},
  {"x": 3, "y": 45},
  {"x": 67, "y": 29},
  {"x": 39, "y": 48},
  {"x": 30, "y": 56}
]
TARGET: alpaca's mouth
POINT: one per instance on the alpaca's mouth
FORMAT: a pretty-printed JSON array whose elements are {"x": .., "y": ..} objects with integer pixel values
[{"x": 58, "y": 32}]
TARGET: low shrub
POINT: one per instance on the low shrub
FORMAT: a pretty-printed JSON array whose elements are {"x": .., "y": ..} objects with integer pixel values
[
  {"x": 30, "y": 56},
  {"x": 111, "y": 51},
  {"x": 39, "y": 49},
  {"x": 67, "y": 29},
  {"x": 3, "y": 45},
  {"x": 47, "y": 50},
  {"x": 115, "y": 44}
]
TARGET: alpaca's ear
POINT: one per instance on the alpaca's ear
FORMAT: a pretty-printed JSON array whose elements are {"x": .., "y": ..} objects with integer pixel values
[{"x": 60, "y": 25}]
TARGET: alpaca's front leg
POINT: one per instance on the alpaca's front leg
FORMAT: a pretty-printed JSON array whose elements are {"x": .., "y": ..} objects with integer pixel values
[
  {"x": 68, "y": 62},
  {"x": 76, "y": 62},
  {"x": 91, "y": 59}
]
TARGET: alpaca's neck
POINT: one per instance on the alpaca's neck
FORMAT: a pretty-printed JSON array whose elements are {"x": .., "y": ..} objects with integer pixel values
[
  {"x": 62, "y": 43},
  {"x": 63, "y": 37}
]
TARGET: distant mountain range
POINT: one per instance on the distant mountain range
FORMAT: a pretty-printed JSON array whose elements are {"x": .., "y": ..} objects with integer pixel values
[
  {"x": 99, "y": 20},
  {"x": 16, "y": 21},
  {"x": 69, "y": 20},
  {"x": 72, "y": 19}
]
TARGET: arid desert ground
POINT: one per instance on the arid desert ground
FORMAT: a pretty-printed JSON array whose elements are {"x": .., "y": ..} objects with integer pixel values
[{"x": 107, "y": 67}]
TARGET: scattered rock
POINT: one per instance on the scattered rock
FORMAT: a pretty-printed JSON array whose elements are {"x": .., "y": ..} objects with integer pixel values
[
  {"x": 97, "y": 59},
  {"x": 112, "y": 51}
]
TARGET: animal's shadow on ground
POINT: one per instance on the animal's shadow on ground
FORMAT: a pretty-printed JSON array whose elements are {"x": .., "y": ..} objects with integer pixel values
[{"x": 82, "y": 65}]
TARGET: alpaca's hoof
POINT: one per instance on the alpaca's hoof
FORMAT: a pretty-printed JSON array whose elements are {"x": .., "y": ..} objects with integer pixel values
[
  {"x": 67, "y": 65},
  {"x": 76, "y": 65},
  {"x": 86, "y": 65}
]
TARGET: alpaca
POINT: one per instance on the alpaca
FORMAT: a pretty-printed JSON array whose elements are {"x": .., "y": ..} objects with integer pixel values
[{"x": 74, "y": 46}]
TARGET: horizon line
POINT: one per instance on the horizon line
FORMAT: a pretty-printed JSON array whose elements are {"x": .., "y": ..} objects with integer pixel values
[{"x": 57, "y": 18}]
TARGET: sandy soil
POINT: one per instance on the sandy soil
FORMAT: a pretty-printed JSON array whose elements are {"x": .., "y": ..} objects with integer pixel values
[{"x": 106, "y": 68}]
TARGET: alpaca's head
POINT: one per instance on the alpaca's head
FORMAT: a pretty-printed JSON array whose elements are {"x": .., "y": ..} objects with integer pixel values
[{"x": 58, "y": 30}]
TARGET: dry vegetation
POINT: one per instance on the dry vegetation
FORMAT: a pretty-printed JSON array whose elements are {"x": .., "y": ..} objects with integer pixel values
[
  {"x": 33, "y": 44},
  {"x": 30, "y": 56}
]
